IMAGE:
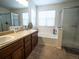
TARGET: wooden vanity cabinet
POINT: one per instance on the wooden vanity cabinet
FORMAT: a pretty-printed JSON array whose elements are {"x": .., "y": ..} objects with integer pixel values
[
  {"x": 21, "y": 48},
  {"x": 13, "y": 51},
  {"x": 30, "y": 42},
  {"x": 27, "y": 46},
  {"x": 34, "y": 39},
  {"x": 18, "y": 54}
]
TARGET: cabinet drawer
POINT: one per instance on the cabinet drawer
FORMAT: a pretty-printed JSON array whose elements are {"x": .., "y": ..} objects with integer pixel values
[{"x": 12, "y": 47}]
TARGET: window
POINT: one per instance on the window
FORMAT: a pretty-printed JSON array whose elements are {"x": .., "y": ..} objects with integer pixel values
[
  {"x": 25, "y": 19},
  {"x": 46, "y": 18}
]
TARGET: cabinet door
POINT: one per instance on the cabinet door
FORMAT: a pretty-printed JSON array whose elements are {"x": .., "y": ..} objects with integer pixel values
[
  {"x": 27, "y": 51},
  {"x": 3, "y": 56},
  {"x": 8, "y": 57},
  {"x": 34, "y": 39},
  {"x": 18, "y": 54},
  {"x": 27, "y": 46}
]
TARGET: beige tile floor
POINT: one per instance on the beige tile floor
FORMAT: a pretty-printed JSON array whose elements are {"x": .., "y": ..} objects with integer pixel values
[{"x": 49, "y": 52}]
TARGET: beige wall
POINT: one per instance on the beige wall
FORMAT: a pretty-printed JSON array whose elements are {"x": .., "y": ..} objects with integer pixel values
[
  {"x": 58, "y": 8},
  {"x": 33, "y": 15},
  {"x": 32, "y": 12}
]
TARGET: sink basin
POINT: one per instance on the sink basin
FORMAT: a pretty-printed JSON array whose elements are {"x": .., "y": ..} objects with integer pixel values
[{"x": 4, "y": 39}]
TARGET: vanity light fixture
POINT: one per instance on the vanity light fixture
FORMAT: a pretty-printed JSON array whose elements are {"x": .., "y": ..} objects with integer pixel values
[{"x": 23, "y": 2}]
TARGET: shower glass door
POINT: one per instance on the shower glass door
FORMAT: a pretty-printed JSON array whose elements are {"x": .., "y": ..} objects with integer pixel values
[{"x": 70, "y": 27}]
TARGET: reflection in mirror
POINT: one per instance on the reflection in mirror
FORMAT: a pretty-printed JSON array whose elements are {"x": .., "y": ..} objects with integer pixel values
[
  {"x": 13, "y": 13},
  {"x": 14, "y": 19},
  {"x": 5, "y": 21}
]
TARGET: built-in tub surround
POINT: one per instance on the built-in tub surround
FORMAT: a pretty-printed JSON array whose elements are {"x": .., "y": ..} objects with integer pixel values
[
  {"x": 48, "y": 32},
  {"x": 52, "y": 42},
  {"x": 14, "y": 37}
]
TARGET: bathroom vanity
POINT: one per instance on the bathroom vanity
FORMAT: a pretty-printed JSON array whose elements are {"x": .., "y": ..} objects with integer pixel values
[{"x": 20, "y": 46}]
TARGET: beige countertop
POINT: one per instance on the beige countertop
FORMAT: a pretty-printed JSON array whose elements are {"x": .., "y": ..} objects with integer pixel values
[{"x": 10, "y": 38}]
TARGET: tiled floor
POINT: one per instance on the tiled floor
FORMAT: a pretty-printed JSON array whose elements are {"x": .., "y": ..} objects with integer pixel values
[{"x": 49, "y": 52}]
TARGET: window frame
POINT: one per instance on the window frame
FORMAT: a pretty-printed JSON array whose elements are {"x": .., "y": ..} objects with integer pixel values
[{"x": 46, "y": 21}]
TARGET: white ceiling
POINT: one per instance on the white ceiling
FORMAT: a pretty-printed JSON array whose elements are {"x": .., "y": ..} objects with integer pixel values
[
  {"x": 15, "y": 4},
  {"x": 45, "y": 2},
  {"x": 11, "y": 4}
]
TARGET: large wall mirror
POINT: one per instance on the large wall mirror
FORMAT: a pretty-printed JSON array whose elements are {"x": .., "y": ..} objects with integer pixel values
[{"x": 13, "y": 13}]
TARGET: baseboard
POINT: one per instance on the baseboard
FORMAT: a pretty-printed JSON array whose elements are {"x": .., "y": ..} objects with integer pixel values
[{"x": 71, "y": 50}]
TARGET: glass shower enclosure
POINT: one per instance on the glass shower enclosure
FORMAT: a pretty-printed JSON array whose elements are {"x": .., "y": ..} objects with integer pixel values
[{"x": 70, "y": 36}]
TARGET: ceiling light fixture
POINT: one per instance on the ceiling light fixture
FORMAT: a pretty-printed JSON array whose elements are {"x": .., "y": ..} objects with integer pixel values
[{"x": 23, "y": 2}]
